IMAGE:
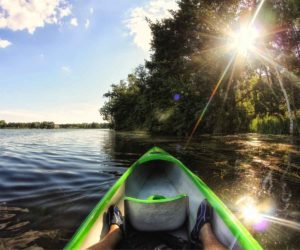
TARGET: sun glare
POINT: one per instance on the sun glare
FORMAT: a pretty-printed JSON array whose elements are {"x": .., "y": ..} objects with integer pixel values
[
  {"x": 249, "y": 210},
  {"x": 244, "y": 40},
  {"x": 250, "y": 213}
]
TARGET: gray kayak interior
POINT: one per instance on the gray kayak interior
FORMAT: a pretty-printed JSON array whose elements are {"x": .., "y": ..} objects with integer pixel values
[{"x": 169, "y": 180}]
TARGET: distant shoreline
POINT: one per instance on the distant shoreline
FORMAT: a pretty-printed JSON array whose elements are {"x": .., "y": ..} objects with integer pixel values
[
  {"x": 51, "y": 128},
  {"x": 52, "y": 125}
]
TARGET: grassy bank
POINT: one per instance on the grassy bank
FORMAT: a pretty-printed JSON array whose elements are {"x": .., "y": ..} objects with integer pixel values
[{"x": 273, "y": 124}]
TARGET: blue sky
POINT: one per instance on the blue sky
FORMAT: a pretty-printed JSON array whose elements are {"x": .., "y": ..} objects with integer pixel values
[{"x": 58, "y": 57}]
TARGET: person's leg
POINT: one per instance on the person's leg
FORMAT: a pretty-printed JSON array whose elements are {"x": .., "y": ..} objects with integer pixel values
[
  {"x": 115, "y": 234},
  {"x": 111, "y": 239},
  {"x": 209, "y": 240},
  {"x": 203, "y": 230}
]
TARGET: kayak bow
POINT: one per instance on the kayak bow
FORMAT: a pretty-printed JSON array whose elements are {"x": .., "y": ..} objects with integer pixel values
[{"x": 159, "y": 174}]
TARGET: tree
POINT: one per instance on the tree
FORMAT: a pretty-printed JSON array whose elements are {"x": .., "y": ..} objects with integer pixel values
[
  {"x": 2, "y": 124},
  {"x": 170, "y": 91}
]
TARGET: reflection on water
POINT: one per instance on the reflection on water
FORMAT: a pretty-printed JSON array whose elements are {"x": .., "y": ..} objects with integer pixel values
[
  {"x": 14, "y": 221},
  {"x": 50, "y": 180}
]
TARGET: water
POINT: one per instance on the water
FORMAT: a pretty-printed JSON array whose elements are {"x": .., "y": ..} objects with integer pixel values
[{"x": 51, "y": 179}]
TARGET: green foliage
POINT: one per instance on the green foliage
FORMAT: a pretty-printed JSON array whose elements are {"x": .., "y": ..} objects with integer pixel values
[
  {"x": 51, "y": 125},
  {"x": 127, "y": 108},
  {"x": 2, "y": 124},
  {"x": 269, "y": 124},
  {"x": 169, "y": 92},
  {"x": 42, "y": 125},
  {"x": 84, "y": 125}
]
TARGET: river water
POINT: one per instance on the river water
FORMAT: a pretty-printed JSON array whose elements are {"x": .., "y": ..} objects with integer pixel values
[{"x": 51, "y": 179}]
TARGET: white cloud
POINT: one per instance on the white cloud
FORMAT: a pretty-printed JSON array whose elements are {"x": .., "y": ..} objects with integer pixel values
[
  {"x": 87, "y": 23},
  {"x": 137, "y": 24},
  {"x": 74, "y": 22},
  {"x": 91, "y": 10},
  {"x": 30, "y": 15},
  {"x": 66, "y": 69},
  {"x": 4, "y": 43}
]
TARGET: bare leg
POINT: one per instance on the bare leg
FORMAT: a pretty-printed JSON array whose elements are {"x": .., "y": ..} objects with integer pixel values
[
  {"x": 111, "y": 239},
  {"x": 210, "y": 241}
]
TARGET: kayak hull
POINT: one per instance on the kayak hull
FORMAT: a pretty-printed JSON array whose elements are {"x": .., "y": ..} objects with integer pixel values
[{"x": 159, "y": 173}]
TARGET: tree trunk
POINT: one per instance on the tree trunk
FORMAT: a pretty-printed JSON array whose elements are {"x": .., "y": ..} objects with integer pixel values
[{"x": 286, "y": 97}]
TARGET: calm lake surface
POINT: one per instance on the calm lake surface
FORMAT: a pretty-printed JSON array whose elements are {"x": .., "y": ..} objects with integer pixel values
[{"x": 51, "y": 179}]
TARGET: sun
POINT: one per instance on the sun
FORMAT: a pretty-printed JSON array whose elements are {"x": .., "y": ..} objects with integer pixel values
[{"x": 244, "y": 40}]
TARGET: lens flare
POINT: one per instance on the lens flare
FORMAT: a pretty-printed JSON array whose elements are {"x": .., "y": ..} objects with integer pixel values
[
  {"x": 250, "y": 213},
  {"x": 176, "y": 97},
  {"x": 249, "y": 210},
  {"x": 253, "y": 214},
  {"x": 209, "y": 100},
  {"x": 259, "y": 216},
  {"x": 244, "y": 40}
]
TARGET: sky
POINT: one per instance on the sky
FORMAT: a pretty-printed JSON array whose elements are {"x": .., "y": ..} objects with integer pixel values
[{"x": 58, "y": 57}]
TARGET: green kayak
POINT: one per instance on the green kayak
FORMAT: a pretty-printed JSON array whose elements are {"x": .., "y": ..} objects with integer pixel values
[{"x": 159, "y": 184}]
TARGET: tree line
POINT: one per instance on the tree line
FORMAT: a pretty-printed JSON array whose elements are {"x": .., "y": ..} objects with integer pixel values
[
  {"x": 259, "y": 93},
  {"x": 51, "y": 125}
]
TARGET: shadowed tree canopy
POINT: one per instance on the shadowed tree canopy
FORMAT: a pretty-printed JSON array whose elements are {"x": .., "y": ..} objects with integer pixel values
[{"x": 189, "y": 53}]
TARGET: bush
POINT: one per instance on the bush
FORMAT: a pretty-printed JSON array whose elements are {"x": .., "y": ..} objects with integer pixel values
[{"x": 270, "y": 124}]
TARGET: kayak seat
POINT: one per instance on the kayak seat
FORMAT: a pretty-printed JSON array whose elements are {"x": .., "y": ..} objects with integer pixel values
[{"x": 156, "y": 213}]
